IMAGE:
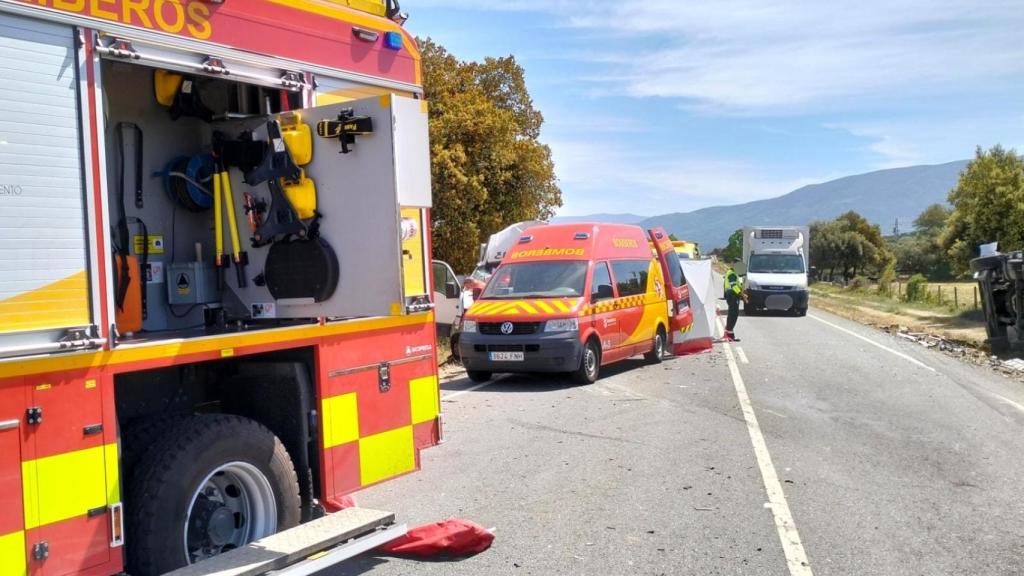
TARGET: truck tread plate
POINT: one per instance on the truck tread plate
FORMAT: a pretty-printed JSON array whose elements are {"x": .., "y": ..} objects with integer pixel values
[{"x": 279, "y": 550}]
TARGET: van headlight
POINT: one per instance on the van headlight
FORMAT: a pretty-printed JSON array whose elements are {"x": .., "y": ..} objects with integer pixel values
[
  {"x": 751, "y": 285},
  {"x": 469, "y": 326},
  {"x": 562, "y": 325}
]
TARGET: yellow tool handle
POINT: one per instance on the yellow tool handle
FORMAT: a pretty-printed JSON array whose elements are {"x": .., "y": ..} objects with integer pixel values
[
  {"x": 229, "y": 205},
  {"x": 218, "y": 218}
]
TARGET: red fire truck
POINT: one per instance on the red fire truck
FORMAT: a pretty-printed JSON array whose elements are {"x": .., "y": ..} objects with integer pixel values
[{"x": 215, "y": 315}]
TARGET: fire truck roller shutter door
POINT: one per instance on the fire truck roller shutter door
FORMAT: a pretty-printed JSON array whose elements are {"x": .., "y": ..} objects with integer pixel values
[{"x": 42, "y": 207}]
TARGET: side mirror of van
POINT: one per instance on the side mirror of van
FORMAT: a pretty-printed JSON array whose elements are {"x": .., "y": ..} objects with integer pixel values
[
  {"x": 740, "y": 268},
  {"x": 452, "y": 290},
  {"x": 604, "y": 292}
]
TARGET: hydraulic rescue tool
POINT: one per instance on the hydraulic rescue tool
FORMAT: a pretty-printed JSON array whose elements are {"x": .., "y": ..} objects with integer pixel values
[
  {"x": 300, "y": 264},
  {"x": 281, "y": 221},
  {"x": 222, "y": 188}
]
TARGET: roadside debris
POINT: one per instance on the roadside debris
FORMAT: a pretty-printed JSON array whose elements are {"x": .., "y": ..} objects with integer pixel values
[
  {"x": 929, "y": 340},
  {"x": 1013, "y": 366},
  {"x": 1010, "y": 366}
]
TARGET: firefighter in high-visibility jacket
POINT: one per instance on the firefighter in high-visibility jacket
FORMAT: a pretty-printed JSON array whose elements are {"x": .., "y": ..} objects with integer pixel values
[{"x": 733, "y": 295}]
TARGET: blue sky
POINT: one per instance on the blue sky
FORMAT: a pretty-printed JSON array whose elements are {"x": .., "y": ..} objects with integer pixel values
[{"x": 661, "y": 106}]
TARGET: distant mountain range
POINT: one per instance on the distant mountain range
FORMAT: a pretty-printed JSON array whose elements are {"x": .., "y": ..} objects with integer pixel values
[
  {"x": 610, "y": 218},
  {"x": 881, "y": 197}
]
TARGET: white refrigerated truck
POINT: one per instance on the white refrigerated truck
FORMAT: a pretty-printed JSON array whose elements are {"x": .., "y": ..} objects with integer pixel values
[{"x": 776, "y": 259}]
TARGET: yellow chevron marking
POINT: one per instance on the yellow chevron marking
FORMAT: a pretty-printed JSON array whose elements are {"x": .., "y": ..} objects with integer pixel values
[
  {"x": 483, "y": 307},
  {"x": 560, "y": 305},
  {"x": 544, "y": 306},
  {"x": 529, "y": 309},
  {"x": 503, "y": 309}
]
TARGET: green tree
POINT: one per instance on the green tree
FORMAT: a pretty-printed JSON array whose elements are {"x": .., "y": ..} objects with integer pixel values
[
  {"x": 850, "y": 245},
  {"x": 734, "y": 249},
  {"x": 920, "y": 252},
  {"x": 988, "y": 206},
  {"x": 488, "y": 168},
  {"x": 932, "y": 219},
  {"x": 826, "y": 246}
]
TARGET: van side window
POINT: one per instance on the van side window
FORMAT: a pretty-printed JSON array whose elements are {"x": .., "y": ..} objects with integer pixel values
[
  {"x": 675, "y": 270},
  {"x": 631, "y": 276},
  {"x": 601, "y": 283},
  {"x": 440, "y": 274}
]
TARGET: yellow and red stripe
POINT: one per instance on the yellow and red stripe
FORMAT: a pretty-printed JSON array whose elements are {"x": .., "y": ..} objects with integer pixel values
[{"x": 533, "y": 306}]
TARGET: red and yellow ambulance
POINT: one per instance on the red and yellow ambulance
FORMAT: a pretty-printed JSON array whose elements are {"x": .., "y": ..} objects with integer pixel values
[{"x": 574, "y": 297}]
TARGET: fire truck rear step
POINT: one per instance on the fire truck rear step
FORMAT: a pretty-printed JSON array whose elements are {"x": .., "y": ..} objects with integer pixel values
[{"x": 304, "y": 549}]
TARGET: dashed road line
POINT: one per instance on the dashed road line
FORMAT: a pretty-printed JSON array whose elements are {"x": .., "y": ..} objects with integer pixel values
[{"x": 873, "y": 343}]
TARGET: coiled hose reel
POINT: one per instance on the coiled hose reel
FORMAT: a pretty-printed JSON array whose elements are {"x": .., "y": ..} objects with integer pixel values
[{"x": 188, "y": 180}]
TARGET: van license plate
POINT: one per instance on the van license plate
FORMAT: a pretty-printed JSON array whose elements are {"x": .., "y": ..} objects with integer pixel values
[{"x": 507, "y": 356}]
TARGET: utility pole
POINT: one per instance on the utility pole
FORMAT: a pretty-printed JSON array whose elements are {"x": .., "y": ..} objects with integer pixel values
[{"x": 896, "y": 228}]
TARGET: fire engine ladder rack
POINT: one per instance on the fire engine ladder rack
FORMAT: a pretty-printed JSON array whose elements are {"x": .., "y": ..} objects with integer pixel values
[{"x": 305, "y": 549}]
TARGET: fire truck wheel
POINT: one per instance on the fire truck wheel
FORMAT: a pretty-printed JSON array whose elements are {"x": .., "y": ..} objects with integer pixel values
[
  {"x": 140, "y": 435},
  {"x": 478, "y": 375},
  {"x": 658, "y": 351},
  {"x": 211, "y": 483},
  {"x": 590, "y": 363}
]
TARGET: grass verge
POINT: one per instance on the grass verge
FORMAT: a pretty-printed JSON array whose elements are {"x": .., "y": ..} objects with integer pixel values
[{"x": 868, "y": 307}]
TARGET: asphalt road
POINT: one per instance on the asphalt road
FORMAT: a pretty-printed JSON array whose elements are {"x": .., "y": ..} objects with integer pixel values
[{"x": 888, "y": 459}]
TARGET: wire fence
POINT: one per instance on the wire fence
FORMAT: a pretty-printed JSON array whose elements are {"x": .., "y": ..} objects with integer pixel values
[{"x": 957, "y": 296}]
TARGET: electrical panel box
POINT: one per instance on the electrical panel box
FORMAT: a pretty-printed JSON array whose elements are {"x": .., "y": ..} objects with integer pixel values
[
  {"x": 367, "y": 185},
  {"x": 192, "y": 283}
]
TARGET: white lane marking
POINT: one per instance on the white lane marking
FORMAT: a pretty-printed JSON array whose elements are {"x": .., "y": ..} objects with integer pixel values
[
  {"x": 1006, "y": 400},
  {"x": 470, "y": 389},
  {"x": 792, "y": 546},
  {"x": 873, "y": 343},
  {"x": 742, "y": 355}
]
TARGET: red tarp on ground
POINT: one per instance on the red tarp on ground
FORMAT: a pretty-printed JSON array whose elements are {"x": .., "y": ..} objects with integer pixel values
[{"x": 456, "y": 537}]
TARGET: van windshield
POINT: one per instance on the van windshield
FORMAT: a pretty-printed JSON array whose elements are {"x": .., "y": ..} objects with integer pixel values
[
  {"x": 776, "y": 264},
  {"x": 538, "y": 280}
]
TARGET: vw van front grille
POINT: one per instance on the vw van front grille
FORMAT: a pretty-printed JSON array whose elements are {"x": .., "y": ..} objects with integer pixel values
[{"x": 518, "y": 328}]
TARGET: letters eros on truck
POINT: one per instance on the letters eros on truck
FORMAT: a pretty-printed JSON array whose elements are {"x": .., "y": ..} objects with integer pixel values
[
  {"x": 215, "y": 305},
  {"x": 776, "y": 262},
  {"x": 574, "y": 297}
]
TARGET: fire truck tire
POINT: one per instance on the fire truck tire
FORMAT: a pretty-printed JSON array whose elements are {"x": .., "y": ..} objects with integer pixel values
[
  {"x": 140, "y": 436},
  {"x": 478, "y": 375},
  {"x": 590, "y": 363},
  {"x": 658, "y": 350},
  {"x": 210, "y": 483}
]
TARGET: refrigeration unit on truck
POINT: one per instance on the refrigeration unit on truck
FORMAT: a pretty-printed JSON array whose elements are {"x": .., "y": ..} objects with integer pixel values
[
  {"x": 215, "y": 304},
  {"x": 776, "y": 262}
]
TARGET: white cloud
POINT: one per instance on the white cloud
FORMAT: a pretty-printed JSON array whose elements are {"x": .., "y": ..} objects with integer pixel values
[
  {"x": 768, "y": 57},
  {"x": 909, "y": 141},
  {"x": 600, "y": 176}
]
